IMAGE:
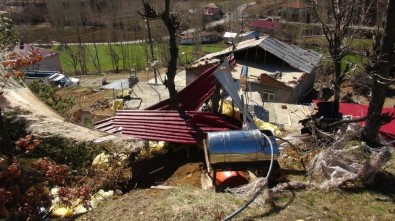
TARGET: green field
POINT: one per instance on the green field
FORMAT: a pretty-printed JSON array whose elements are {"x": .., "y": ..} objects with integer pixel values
[{"x": 130, "y": 55}]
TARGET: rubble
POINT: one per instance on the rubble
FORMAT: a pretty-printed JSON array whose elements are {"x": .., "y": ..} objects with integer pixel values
[{"x": 101, "y": 104}]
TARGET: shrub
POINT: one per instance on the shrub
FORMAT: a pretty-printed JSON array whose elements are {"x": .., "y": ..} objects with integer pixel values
[{"x": 47, "y": 93}]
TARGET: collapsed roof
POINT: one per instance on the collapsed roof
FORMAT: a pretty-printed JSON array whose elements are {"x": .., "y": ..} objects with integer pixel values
[
  {"x": 185, "y": 126},
  {"x": 296, "y": 57}
]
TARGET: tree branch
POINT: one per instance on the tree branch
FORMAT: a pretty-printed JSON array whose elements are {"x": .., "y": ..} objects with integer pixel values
[
  {"x": 348, "y": 121},
  {"x": 149, "y": 11}
]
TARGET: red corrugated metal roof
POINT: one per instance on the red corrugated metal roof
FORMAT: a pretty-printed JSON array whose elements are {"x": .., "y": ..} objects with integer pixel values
[
  {"x": 193, "y": 95},
  {"x": 359, "y": 110},
  {"x": 187, "y": 127}
]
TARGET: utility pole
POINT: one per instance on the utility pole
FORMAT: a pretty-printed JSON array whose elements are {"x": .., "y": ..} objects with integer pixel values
[{"x": 151, "y": 48}]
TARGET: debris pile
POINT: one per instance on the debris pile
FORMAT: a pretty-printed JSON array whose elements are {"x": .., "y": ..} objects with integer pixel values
[
  {"x": 101, "y": 104},
  {"x": 76, "y": 207},
  {"x": 347, "y": 161}
]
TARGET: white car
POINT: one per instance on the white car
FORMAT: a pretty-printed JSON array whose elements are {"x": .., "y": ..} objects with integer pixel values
[{"x": 61, "y": 80}]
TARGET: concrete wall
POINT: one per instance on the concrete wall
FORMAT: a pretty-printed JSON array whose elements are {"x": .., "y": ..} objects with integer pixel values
[
  {"x": 287, "y": 95},
  {"x": 304, "y": 87},
  {"x": 282, "y": 95}
]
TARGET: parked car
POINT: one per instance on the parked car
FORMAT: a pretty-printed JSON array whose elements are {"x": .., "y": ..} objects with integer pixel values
[
  {"x": 51, "y": 77},
  {"x": 60, "y": 80}
]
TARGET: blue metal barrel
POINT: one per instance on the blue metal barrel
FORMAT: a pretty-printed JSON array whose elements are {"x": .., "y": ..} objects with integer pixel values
[{"x": 239, "y": 147}]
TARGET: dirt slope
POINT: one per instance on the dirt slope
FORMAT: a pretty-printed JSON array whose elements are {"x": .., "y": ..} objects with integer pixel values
[{"x": 42, "y": 118}]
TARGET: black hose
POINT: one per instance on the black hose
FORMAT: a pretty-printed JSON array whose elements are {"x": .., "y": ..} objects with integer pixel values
[{"x": 259, "y": 191}]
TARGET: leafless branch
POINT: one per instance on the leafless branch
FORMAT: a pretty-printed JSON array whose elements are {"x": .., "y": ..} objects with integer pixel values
[
  {"x": 149, "y": 11},
  {"x": 356, "y": 120}
]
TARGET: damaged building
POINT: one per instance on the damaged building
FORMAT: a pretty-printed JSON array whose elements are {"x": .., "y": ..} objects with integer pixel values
[{"x": 278, "y": 71}]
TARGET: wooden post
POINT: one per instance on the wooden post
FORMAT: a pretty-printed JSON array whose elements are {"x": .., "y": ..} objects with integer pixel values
[
  {"x": 151, "y": 46},
  {"x": 264, "y": 60},
  {"x": 206, "y": 156},
  {"x": 256, "y": 53}
]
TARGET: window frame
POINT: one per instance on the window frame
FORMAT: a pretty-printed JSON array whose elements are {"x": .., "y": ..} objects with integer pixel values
[{"x": 269, "y": 95}]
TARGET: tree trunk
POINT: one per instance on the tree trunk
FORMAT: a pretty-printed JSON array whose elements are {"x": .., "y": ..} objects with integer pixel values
[
  {"x": 96, "y": 54},
  {"x": 381, "y": 70},
  {"x": 172, "y": 67},
  {"x": 338, "y": 80},
  {"x": 172, "y": 24}
]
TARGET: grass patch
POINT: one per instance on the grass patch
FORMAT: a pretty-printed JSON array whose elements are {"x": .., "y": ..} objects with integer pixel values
[
  {"x": 135, "y": 55},
  {"x": 191, "y": 203},
  {"x": 66, "y": 151}
]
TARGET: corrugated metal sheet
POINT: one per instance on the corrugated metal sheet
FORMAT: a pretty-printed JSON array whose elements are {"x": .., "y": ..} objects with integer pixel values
[
  {"x": 304, "y": 60},
  {"x": 359, "y": 110},
  {"x": 230, "y": 35},
  {"x": 193, "y": 95},
  {"x": 239, "y": 47},
  {"x": 172, "y": 126},
  {"x": 117, "y": 85}
]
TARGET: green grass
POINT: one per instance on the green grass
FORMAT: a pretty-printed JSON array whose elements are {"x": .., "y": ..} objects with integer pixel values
[
  {"x": 136, "y": 55},
  {"x": 353, "y": 58}
]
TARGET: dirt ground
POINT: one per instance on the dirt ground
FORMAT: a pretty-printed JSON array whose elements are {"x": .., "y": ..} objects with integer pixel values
[{"x": 89, "y": 97}]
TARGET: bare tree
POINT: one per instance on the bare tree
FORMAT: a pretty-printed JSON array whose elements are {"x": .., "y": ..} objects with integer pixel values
[
  {"x": 73, "y": 58},
  {"x": 115, "y": 58},
  {"x": 172, "y": 23},
  {"x": 57, "y": 15},
  {"x": 339, "y": 34},
  {"x": 95, "y": 57},
  {"x": 381, "y": 70},
  {"x": 83, "y": 58},
  {"x": 112, "y": 49}
]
